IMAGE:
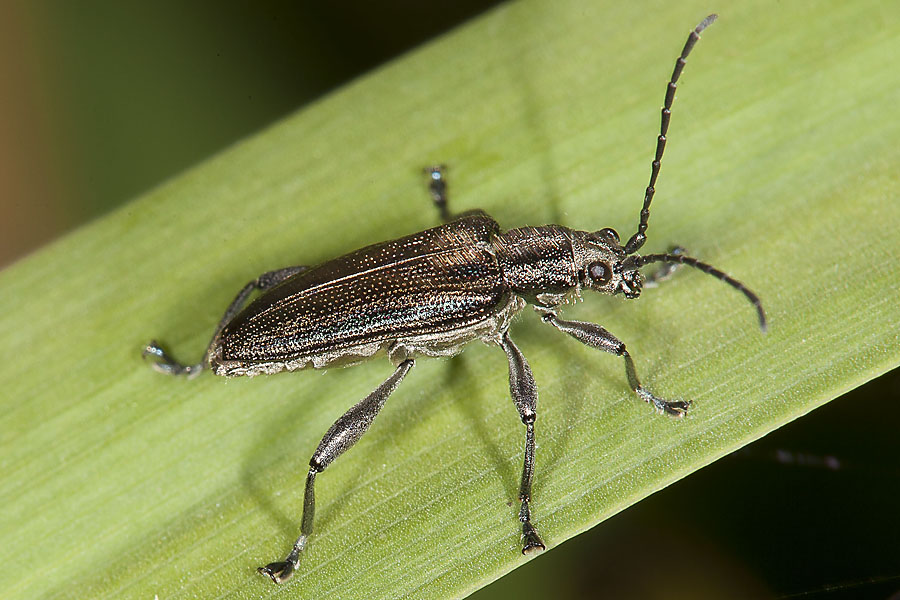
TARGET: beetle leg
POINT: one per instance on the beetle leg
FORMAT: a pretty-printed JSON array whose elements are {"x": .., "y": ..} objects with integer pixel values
[
  {"x": 437, "y": 186},
  {"x": 262, "y": 283},
  {"x": 597, "y": 337},
  {"x": 524, "y": 394},
  {"x": 164, "y": 363},
  {"x": 665, "y": 270},
  {"x": 345, "y": 432}
]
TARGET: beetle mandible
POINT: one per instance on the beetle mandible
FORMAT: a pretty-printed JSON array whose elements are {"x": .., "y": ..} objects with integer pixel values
[{"x": 429, "y": 294}]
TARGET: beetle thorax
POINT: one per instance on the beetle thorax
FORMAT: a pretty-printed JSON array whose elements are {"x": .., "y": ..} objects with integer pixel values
[{"x": 553, "y": 261}]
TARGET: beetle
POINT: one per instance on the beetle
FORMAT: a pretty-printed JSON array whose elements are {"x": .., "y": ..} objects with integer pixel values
[{"x": 428, "y": 295}]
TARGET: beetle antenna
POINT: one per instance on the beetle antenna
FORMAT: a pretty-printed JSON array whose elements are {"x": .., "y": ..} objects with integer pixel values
[
  {"x": 638, "y": 239},
  {"x": 640, "y": 261}
]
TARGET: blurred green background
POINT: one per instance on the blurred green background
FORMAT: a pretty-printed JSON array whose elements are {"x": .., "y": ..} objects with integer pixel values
[{"x": 103, "y": 100}]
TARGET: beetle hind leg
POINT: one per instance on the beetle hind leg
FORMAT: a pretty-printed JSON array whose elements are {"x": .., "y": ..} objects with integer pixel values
[
  {"x": 524, "y": 394},
  {"x": 339, "y": 438},
  {"x": 163, "y": 361}
]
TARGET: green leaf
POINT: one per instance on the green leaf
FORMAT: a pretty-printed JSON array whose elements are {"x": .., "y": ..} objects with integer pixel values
[{"x": 781, "y": 170}]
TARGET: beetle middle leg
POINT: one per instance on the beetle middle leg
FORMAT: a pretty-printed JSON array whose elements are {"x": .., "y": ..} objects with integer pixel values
[
  {"x": 597, "y": 337},
  {"x": 164, "y": 361},
  {"x": 524, "y": 394},
  {"x": 437, "y": 187},
  {"x": 665, "y": 270},
  {"x": 345, "y": 432}
]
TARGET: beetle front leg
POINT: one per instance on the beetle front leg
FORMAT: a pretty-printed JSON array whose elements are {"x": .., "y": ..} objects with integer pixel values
[
  {"x": 597, "y": 337},
  {"x": 665, "y": 270},
  {"x": 164, "y": 363},
  {"x": 345, "y": 432},
  {"x": 524, "y": 394}
]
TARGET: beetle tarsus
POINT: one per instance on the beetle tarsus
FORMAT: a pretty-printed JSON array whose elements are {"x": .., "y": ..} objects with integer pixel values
[
  {"x": 531, "y": 541},
  {"x": 673, "y": 408},
  {"x": 164, "y": 363},
  {"x": 278, "y": 572}
]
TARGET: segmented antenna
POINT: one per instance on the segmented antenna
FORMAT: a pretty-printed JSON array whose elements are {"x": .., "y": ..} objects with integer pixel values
[
  {"x": 638, "y": 239},
  {"x": 640, "y": 261}
]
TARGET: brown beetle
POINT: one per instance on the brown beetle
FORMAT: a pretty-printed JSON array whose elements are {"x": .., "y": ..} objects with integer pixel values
[{"x": 429, "y": 294}]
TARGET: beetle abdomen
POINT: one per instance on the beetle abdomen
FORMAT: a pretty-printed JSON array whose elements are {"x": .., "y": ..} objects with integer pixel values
[{"x": 437, "y": 280}]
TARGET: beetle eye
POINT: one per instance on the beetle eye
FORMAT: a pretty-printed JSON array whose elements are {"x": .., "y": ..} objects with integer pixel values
[
  {"x": 600, "y": 272},
  {"x": 609, "y": 232}
]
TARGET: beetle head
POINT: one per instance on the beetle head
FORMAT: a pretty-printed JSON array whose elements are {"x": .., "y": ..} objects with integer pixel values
[{"x": 602, "y": 264}]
